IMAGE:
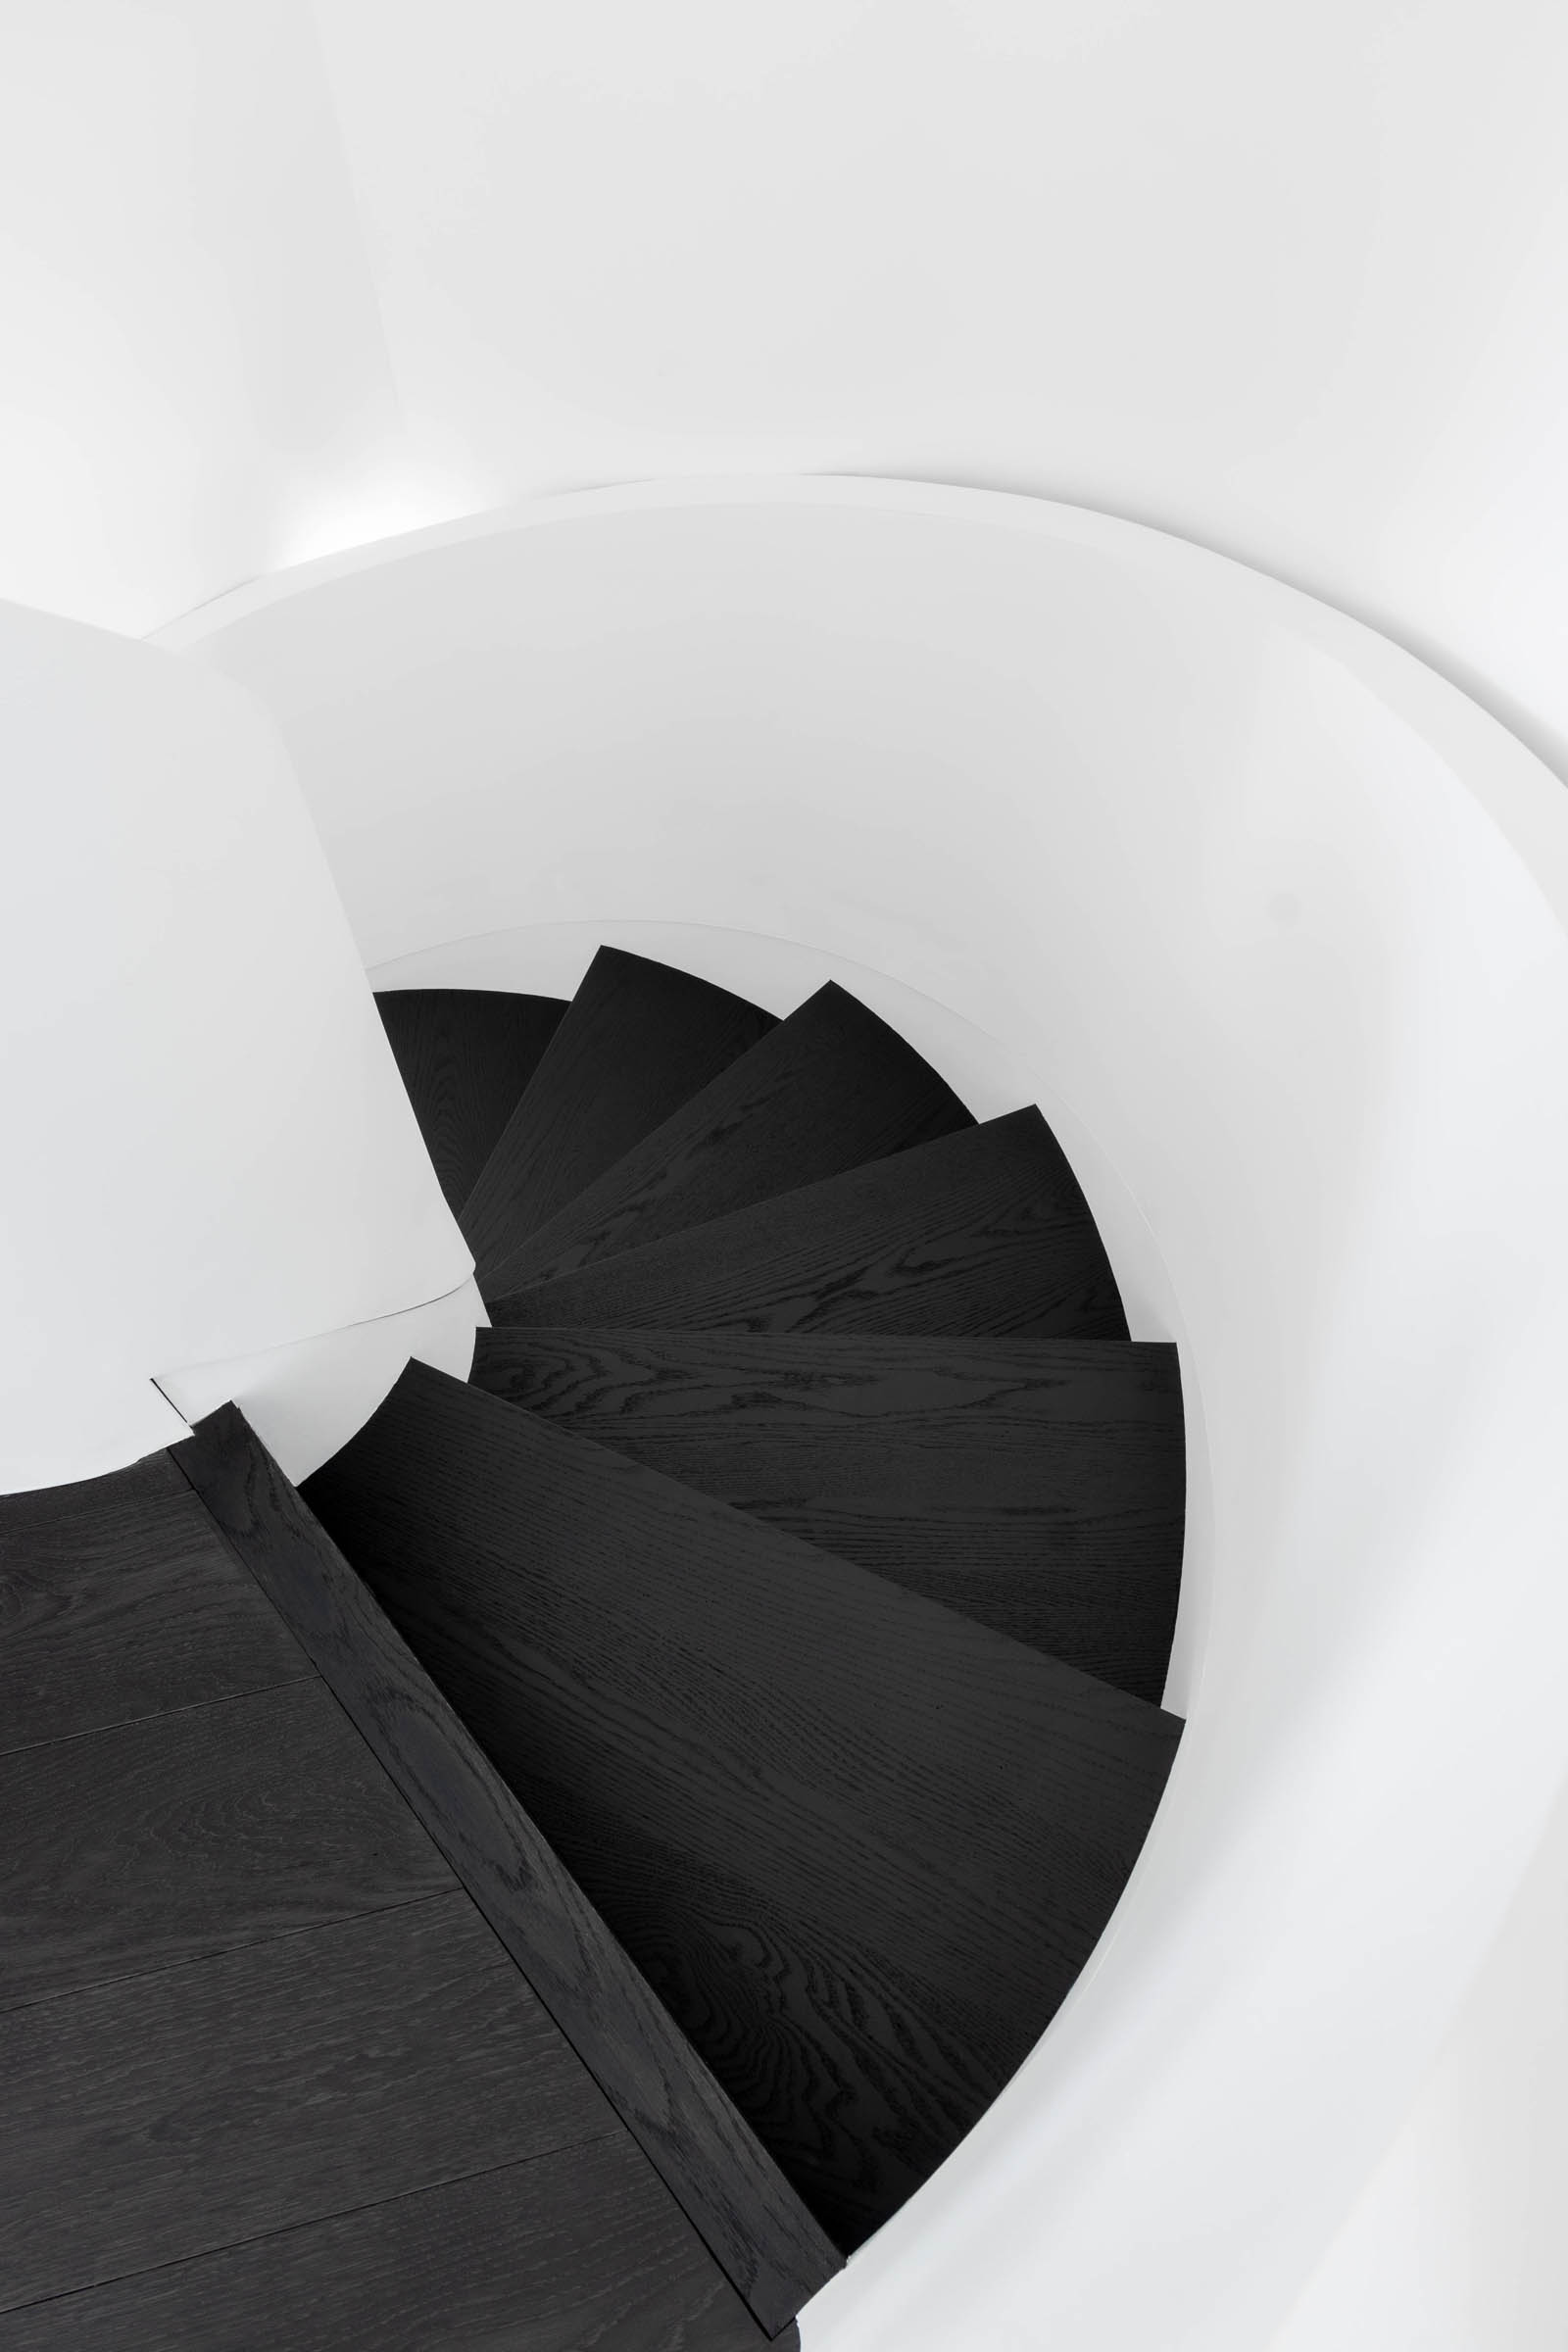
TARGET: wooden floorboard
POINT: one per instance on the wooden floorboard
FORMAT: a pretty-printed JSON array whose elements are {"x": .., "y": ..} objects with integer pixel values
[
  {"x": 155, "y": 2120},
  {"x": 465, "y": 1056},
  {"x": 828, "y": 1090},
  {"x": 861, "y": 1845},
  {"x": 580, "y": 2251},
  {"x": 189, "y": 1833},
  {"x": 638, "y": 1038},
  {"x": 1036, "y": 1485},
  {"x": 118, "y": 1600},
  {"x": 984, "y": 1232},
  {"x": 724, "y": 2182}
]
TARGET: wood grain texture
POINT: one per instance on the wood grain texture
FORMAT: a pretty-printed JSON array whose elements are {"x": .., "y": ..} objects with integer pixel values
[
  {"x": 155, "y": 2120},
  {"x": 117, "y": 1599},
  {"x": 637, "y": 1040},
  {"x": 579, "y": 2251},
  {"x": 731, "y": 2190},
  {"x": 194, "y": 1832},
  {"x": 980, "y": 1233},
  {"x": 465, "y": 1056},
  {"x": 828, "y": 1090},
  {"x": 860, "y": 1845},
  {"x": 1036, "y": 1485}
]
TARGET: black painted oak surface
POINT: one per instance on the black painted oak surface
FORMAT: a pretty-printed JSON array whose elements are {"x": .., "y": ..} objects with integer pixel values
[
  {"x": 982, "y": 1232},
  {"x": 578, "y": 2252},
  {"x": 465, "y": 1056},
  {"x": 189, "y": 1833},
  {"x": 829, "y": 1088},
  {"x": 637, "y": 1040},
  {"x": 117, "y": 1599},
  {"x": 1036, "y": 1485},
  {"x": 153, "y": 2119},
  {"x": 734, "y": 2195},
  {"x": 860, "y": 1845}
]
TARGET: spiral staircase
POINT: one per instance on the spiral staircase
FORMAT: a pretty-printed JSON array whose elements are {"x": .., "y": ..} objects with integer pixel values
[{"x": 567, "y": 1876}]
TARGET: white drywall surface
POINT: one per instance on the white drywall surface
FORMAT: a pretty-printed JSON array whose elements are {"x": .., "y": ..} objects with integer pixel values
[
  {"x": 1293, "y": 282},
  {"x": 207, "y": 1147},
  {"x": 1277, "y": 917}
]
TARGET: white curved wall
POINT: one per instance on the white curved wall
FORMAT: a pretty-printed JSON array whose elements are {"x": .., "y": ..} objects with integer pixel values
[
  {"x": 1290, "y": 281},
  {"x": 1278, "y": 916},
  {"x": 208, "y": 1148}
]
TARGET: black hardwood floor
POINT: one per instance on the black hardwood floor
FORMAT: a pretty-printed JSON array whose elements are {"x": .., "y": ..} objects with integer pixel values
[
  {"x": 859, "y": 1845},
  {"x": 637, "y": 1041},
  {"x": 1038, "y": 1485},
  {"x": 828, "y": 1090},
  {"x": 981, "y": 1232},
  {"x": 271, "y": 2075},
  {"x": 465, "y": 1056}
]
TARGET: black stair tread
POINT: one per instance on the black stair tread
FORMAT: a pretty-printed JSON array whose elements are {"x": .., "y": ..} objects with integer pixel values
[
  {"x": 196, "y": 1832},
  {"x": 983, "y": 1232},
  {"x": 755, "y": 2227},
  {"x": 1036, "y": 1485},
  {"x": 156, "y": 2119},
  {"x": 859, "y": 1845},
  {"x": 119, "y": 1599},
  {"x": 638, "y": 1038},
  {"x": 465, "y": 1056},
  {"x": 828, "y": 1089},
  {"x": 580, "y": 2248}
]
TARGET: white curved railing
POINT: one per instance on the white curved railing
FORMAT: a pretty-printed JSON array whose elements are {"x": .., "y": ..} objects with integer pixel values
[{"x": 1273, "y": 917}]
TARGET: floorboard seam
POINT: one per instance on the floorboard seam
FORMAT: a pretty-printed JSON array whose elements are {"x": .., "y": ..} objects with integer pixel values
[
  {"x": 314, "y": 2220},
  {"x": 190, "y": 1706}
]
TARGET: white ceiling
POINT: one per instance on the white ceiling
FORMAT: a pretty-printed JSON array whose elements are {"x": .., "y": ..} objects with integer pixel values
[{"x": 1290, "y": 281}]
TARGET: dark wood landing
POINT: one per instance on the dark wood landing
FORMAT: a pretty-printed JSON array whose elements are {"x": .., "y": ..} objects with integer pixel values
[
  {"x": 1035, "y": 1485},
  {"x": 118, "y": 1601},
  {"x": 570, "y": 2254},
  {"x": 707, "y": 2157},
  {"x": 829, "y": 1088},
  {"x": 860, "y": 1845},
  {"x": 465, "y": 1056},
  {"x": 261, "y": 2043},
  {"x": 985, "y": 1232},
  {"x": 638, "y": 1038}
]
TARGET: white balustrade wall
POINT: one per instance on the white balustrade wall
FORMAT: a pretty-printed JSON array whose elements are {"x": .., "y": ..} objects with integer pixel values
[{"x": 208, "y": 1150}]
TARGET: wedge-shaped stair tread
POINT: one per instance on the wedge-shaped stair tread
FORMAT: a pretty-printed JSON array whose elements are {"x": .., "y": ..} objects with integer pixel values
[
  {"x": 465, "y": 1056},
  {"x": 829, "y": 1088},
  {"x": 1036, "y": 1485},
  {"x": 984, "y": 1232},
  {"x": 637, "y": 1041},
  {"x": 860, "y": 1845}
]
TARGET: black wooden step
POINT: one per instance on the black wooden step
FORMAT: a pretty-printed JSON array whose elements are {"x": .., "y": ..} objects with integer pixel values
[
  {"x": 637, "y": 1040},
  {"x": 829, "y": 1088},
  {"x": 1036, "y": 1485},
  {"x": 985, "y": 1232},
  {"x": 707, "y": 2156},
  {"x": 465, "y": 1056},
  {"x": 860, "y": 1845}
]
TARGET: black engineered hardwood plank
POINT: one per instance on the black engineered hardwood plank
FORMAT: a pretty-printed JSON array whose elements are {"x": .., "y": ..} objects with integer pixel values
[
  {"x": 464, "y": 1055},
  {"x": 725, "y": 2183},
  {"x": 860, "y": 1845},
  {"x": 577, "y": 2251},
  {"x": 117, "y": 1599},
  {"x": 189, "y": 1833},
  {"x": 984, "y": 1232},
  {"x": 637, "y": 1040},
  {"x": 155, "y": 2120},
  {"x": 1036, "y": 1485},
  {"x": 828, "y": 1089}
]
